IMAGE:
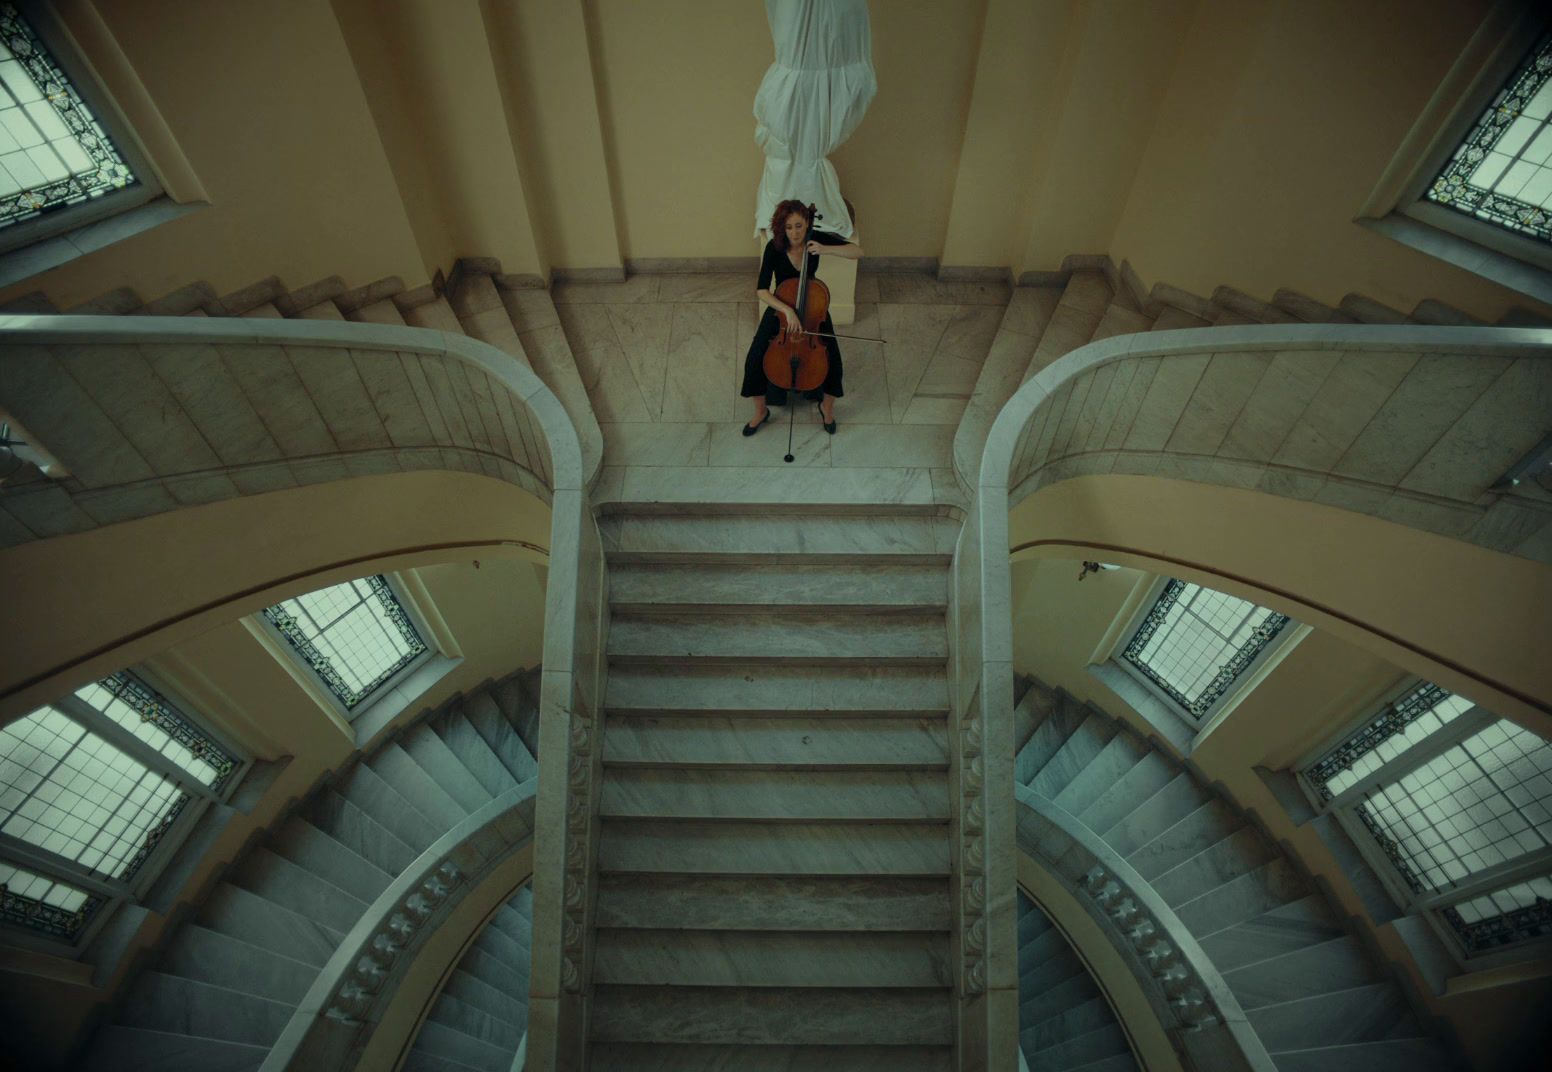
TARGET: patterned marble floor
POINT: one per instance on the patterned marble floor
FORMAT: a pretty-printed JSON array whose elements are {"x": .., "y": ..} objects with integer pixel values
[{"x": 661, "y": 356}]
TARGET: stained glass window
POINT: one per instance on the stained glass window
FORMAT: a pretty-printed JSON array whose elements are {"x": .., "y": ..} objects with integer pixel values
[
  {"x": 355, "y": 636},
  {"x": 1502, "y": 172},
  {"x": 1460, "y": 804},
  {"x": 1195, "y": 642},
  {"x": 53, "y": 151}
]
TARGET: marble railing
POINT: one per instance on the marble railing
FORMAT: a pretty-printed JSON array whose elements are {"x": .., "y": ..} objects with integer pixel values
[
  {"x": 1410, "y": 424},
  {"x": 150, "y": 414},
  {"x": 1187, "y": 994},
  {"x": 347, "y": 1001}
]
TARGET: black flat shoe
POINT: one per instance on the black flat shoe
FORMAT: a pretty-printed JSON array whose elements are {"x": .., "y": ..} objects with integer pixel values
[
  {"x": 829, "y": 428},
  {"x": 751, "y": 429}
]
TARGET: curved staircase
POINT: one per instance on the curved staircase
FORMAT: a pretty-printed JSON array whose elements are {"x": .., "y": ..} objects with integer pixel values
[
  {"x": 480, "y": 1016},
  {"x": 1316, "y": 996},
  {"x": 223, "y": 985},
  {"x": 1065, "y": 1020}
]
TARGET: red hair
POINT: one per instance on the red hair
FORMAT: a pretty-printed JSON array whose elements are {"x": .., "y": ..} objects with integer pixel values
[{"x": 779, "y": 220}]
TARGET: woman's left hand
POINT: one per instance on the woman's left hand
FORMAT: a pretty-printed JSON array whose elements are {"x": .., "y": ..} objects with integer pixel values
[{"x": 814, "y": 247}]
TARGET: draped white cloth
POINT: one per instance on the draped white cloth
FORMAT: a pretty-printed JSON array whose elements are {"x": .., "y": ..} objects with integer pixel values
[{"x": 811, "y": 99}]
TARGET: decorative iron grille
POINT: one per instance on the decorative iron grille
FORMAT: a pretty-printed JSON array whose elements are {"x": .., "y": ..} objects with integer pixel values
[
  {"x": 153, "y": 707},
  {"x": 305, "y": 644},
  {"x": 20, "y": 910},
  {"x": 1227, "y": 672},
  {"x": 1519, "y": 925},
  {"x": 1395, "y": 718},
  {"x": 1472, "y": 179},
  {"x": 69, "y": 150}
]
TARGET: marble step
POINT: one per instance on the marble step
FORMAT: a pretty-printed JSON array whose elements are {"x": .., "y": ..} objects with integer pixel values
[
  {"x": 474, "y": 1022},
  {"x": 510, "y": 952},
  {"x": 117, "y": 1048},
  {"x": 1152, "y": 772},
  {"x": 1269, "y": 886},
  {"x": 1072, "y": 1022},
  {"x": 277, "y": 879},
  {"x": 500, "y": 970},
  {"x": 494, "y": 1001},
  {"x": 776, "y": 691},
  {"x": 733, "y": 588},
  {"x": 1220, "y": 863},
  {"x": 785, "y": 536},
  {"x": 1121, "y": 1062},
  {"x": 1393, "y": 1055},
  {"x": 732, "y": 848},
  {"x": 373, "y": 794},
  {"x": 306, "y": 846},
  {"x": 1363, "y": 1014},
  {"x": 773, "y": 1015},
  {"x": 477, "y": 757},
  {"x": 1199, "y": 830},
  {"x": 1305, "y": 922},
  {"x": 806, "y": 796},
  {"x": 361, "y": 834},
  {"x": 422, "y": 1061},
  {"x": 415, "y": 785},
  {"x": 1042, "y": 1005},
  {"x": 1118, "y": 757},
  {"x": 797, "y": 959},
  {"x": 485, "y": 714},
  {"x": 709, "y": 902},
  {"x": 1046, "y": 949},
  {"x": 1095, "y": 1045},
  {"x": 1339, "y": 964},
  {"x": 666, "y": 1057},
  {"x": 1075, "y": 753},
  {"x": 208, "y": 956},
  {"x": 839, "y": 638},
  {"x": 250, "y": 918},
  {"x": 1152, "y": 816},
  {"x": 868, "y": 474},
  {"x": 444, "y": 767},
  {"x": 1051, "y": 972},
  {"x": 1032, "y": 923},
  {"x": 161, "y": 1002},
  {"x": 442, "y": 1041},
  {"x": 797, "y": 742},
  {"x": 1048, "y": 737}
]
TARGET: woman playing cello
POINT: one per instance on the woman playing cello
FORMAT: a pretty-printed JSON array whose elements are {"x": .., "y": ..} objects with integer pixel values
[{"x": 791, "y": 240}]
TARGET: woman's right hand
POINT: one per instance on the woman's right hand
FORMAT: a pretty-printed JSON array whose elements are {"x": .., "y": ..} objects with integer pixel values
[{"x": 790, "y": 315}]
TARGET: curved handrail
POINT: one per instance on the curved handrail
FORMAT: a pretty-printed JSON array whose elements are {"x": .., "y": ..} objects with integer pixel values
[
  {"x": 358, "y": 981},
  {"x": 981, "y": 611},
  {"x": 1188, "y": 995}
]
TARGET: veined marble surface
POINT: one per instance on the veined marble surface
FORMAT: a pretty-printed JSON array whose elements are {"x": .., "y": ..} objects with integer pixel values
[{"x": 662, "y": 358}]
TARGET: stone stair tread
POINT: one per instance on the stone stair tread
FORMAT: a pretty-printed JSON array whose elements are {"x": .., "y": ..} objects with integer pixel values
[
  {"x": 777, "y": 538},
  {"x": 1151, "y": 773},
  {"x": 1080, "y": 749},
  {"x": 797, "y": 742},
  {"x": 1044, "y": 1005},
  {"x": 669, "y": 1057},
  {"x": 278, "y": 879},
  {"x": 879, "y": 796},
  {"x": 485, "y": 715},
  {"x": 1285, "y": 929},
  {"x": 1048, "y": 736},
  {"x": 474, "y": 1022},
  {"x": 1121, "y": 1062},
  {"x": 1149, "y": 818},
  {"x": 477, "y": 757},
  {"x": 442, "y": 1041},
  {"x": 416, "y": 786},
  {"x": 1371, "y": 1013},
  {"x": 208, "y": 956},
  {"x": 685, "y": 847},
  {"x": 1339, "y": 964},
  {"x": 361, "y": 834},
  {"x": 444, "y": 767},
  {"x": 1102, "y": 1042},
  {"x": 175, "y": 1004},
  {"x": 492, "y": 1000},
  {"x": 772, "y": 904},
  {"x": 837, "y": 639},
  {"x": 307, "y": 846},
  {"x": 425, "y": 1061},
  {"x": 1267, "y": 887},
  {"x": 250, "y": 918},
  {"x": 1115, "y": 759},
  {"x": 383, "y": 803},
  {"x": 776, "y": 690},
  {"x": 794, "y": 959},
  {"x": 1200, "y": 829},
  {"x": 119, "y": 1048},
  {"x": 1075, "y": 1020},
  {"x": 775, "y": 1015},
  {"x": 1235, "y": 855},
  {"x": 1390, "y": 1055},
  {"x": 712, "y": 587}
]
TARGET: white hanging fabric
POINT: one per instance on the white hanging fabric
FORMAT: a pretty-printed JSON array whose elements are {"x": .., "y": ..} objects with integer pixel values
[{"x": 811, "y": 99}]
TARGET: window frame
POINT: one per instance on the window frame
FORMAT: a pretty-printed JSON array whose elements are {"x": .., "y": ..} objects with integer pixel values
[
  {"x": 1427, "y": 906},
  {"x": 412, "y": 610},
  {"x": 1237, "y": 689},
  {"x": 44, "y": 22},
  {"x": 115, "y": 892}
]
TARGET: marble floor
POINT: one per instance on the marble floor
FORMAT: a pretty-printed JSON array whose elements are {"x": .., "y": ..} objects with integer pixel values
[{"x": 662, "y": 355}]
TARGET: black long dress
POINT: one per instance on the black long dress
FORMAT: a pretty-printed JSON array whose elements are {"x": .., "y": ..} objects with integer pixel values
[{"x": 775, "y": 268}]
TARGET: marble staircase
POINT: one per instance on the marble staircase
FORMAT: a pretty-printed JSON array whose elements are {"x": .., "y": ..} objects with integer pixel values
[
  {"x": 226, "y": 979},
  {"x": 1065, "y": 1020},
  {"x": 1315, "y": 994},
  {"x": 480, "y": 1015},
  {"x": 773, "y": 870}
]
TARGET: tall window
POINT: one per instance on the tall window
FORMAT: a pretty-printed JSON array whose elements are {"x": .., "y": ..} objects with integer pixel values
[
  {"x": 1458, "y": 804},
  {"x": 54, "y": 152},
  {"x": 1502, "y": 171},
  {"x": 1194, "y": 644},
  {"x": 90, "y": 787},
  {"x": 355, "y": 636}
]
